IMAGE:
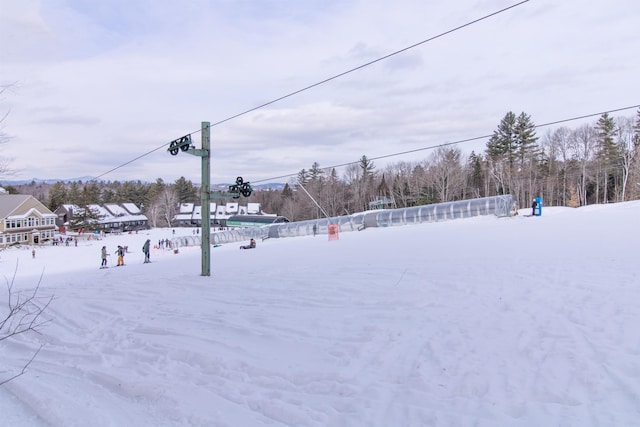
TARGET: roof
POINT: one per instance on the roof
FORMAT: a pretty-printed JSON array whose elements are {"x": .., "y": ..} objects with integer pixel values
[
  {"x": 186, "y": 208},
  {"x": 132, "y": 208},
  {"x": 116, "y": 210},
  {"x": 10, "y": 202},
  {"x": 232, "y": 208},
  {"x": 101, "y": 211},
  {"x": 253, "y": 208},
  {"x": 182, "y": 217}
]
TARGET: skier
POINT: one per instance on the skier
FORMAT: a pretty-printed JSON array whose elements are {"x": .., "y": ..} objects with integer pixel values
[
  {"x": 534, "y": 205},
  {"x": 145, "y": 249},
  {"x": 120, "y": 253},
  {"x": 104, "y": 257}
]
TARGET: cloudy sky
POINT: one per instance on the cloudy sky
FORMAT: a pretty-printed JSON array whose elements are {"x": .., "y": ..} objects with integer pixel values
[{"x": 95, "y": 85}]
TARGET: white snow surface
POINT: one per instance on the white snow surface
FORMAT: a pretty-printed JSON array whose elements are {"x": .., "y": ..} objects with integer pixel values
[{"x": 522, "y": 321}]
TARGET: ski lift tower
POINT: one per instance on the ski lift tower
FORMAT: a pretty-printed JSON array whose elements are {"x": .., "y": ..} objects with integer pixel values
[{"x": 240, "y": 188}]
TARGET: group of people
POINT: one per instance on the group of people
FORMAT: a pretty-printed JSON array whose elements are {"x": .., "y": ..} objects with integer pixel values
[
  {"x": 121, "y": 251},
  {"x": 60, "y": 240}
]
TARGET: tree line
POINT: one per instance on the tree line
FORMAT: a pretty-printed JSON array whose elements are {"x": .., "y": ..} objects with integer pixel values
[{"x": 593, "y": 163}]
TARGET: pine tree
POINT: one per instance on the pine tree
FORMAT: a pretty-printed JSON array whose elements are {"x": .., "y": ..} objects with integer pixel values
[
  {"x": 475, "y": 179},
  {"x": 315, "y": 174},
  {"x": 287, "y": 193},
  {"x": 86, "y": 217},
  {"x": 512, "y": 152},
  {"x": 57, "y": 196},
  {"x": 608, "y": 155},
  {"x": 91, "y": 194},
  {"x": 185, "y": 191},
  {"x": 303, "y": 177},
  {"x": 608, "y": 150},
  {"x": 73, "y": 194},
  {"x": 367, "y": 168},
  {"x": 502, "y": 145},
  {"x": 383, "y": 188},
  {"x": 526, "y": 137},
  {"x": 502, "y": 151}
]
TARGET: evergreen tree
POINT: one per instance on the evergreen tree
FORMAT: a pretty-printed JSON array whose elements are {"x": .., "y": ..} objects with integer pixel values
[
  {"x": 608, "y": 150},
  {"x": 57, "y": 196},
  {"x": 108, "y": 195},
  {"x": 503, "y": 143},
  {"x": 90, "y": 194},
  {"x": 287, "y": 193},
  {"x": 303, "y": 177},
  {"x": 475, "y": 178},
  {"x": 11, "y": 189},
  {"x": 315, "y": 174},
  {"x": 526, "y": 137},
  {"x": 154, "y": 192},
  {"x": 367, "y": 168},
  {"x": 86, "y": 217},
  {"x": 512, "y": 153},
  {"x": 185, "y": 191},
  {"x": 608, "y": 155},
  {"x": 383, "y": 188},
  {"x": 74, "y": 193}
]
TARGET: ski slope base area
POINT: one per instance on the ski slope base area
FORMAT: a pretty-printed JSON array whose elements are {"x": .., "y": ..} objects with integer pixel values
[{"x": 476, "y": 322}]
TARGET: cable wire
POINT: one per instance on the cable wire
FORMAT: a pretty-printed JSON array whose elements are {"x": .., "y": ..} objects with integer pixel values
[
  {"x": 344, "y": 73},
  {"x": 461, "y": 141}
]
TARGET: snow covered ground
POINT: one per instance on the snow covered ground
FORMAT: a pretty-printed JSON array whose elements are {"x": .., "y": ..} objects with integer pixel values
[{"x": 476, "y": 322}]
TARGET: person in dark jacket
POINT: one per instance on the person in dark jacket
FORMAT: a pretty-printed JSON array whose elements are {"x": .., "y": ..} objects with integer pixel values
[
  {"x": 534, "y": 205},
  {"x": 120, "y": 253},
  {"x": 145, "y": 249}
]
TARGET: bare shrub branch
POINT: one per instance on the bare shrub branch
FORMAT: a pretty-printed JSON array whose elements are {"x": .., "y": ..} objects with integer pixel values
[{"x": 22, "y": 314}]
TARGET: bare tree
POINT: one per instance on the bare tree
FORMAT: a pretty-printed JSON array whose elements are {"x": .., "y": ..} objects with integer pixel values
[
  {"x": 557, "y": 145},
  {"x": 168, "y": 203},
  {"x": 625, "y": 139},
  {"x": 22, "y": 314},
  {"x": 4, "y": 137},
  {"x": 154, "y": 213},
  {"x": 583, "y": 144},
  {"x": 446, "y": 173}
]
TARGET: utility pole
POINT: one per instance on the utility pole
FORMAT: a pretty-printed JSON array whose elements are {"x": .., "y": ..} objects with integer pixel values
[
  {"x": 205, "y": 198},
  {"x": 240, "y": 188}
]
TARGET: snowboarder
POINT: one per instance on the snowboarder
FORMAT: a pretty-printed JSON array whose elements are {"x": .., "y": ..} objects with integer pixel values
[
  {"x": 104, "y": 257},
  {"x": 120, "y": 253},
  {"x": 145, "y": 249},
  {"x": 251, "y": 245},
  {"x": 534, "y": 205}
]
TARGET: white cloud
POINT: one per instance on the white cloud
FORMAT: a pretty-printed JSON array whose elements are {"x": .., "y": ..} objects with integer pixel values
[{"x": 117, "y": 81}]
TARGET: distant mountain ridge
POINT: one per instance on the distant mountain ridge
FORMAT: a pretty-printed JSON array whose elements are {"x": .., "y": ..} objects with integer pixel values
[
  {"x": 43, "y": 181},
  {"x": 220, "y": 187}
]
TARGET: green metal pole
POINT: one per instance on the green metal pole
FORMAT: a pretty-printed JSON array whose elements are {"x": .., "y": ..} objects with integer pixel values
[{"x": 205, "y": 197}]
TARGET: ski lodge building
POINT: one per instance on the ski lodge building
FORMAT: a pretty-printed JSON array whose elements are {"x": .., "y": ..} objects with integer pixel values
[
  {"x": 190, "y": 215},
  {"x": 110, "y": 217},
  {"x": 24, "y": 220}
]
